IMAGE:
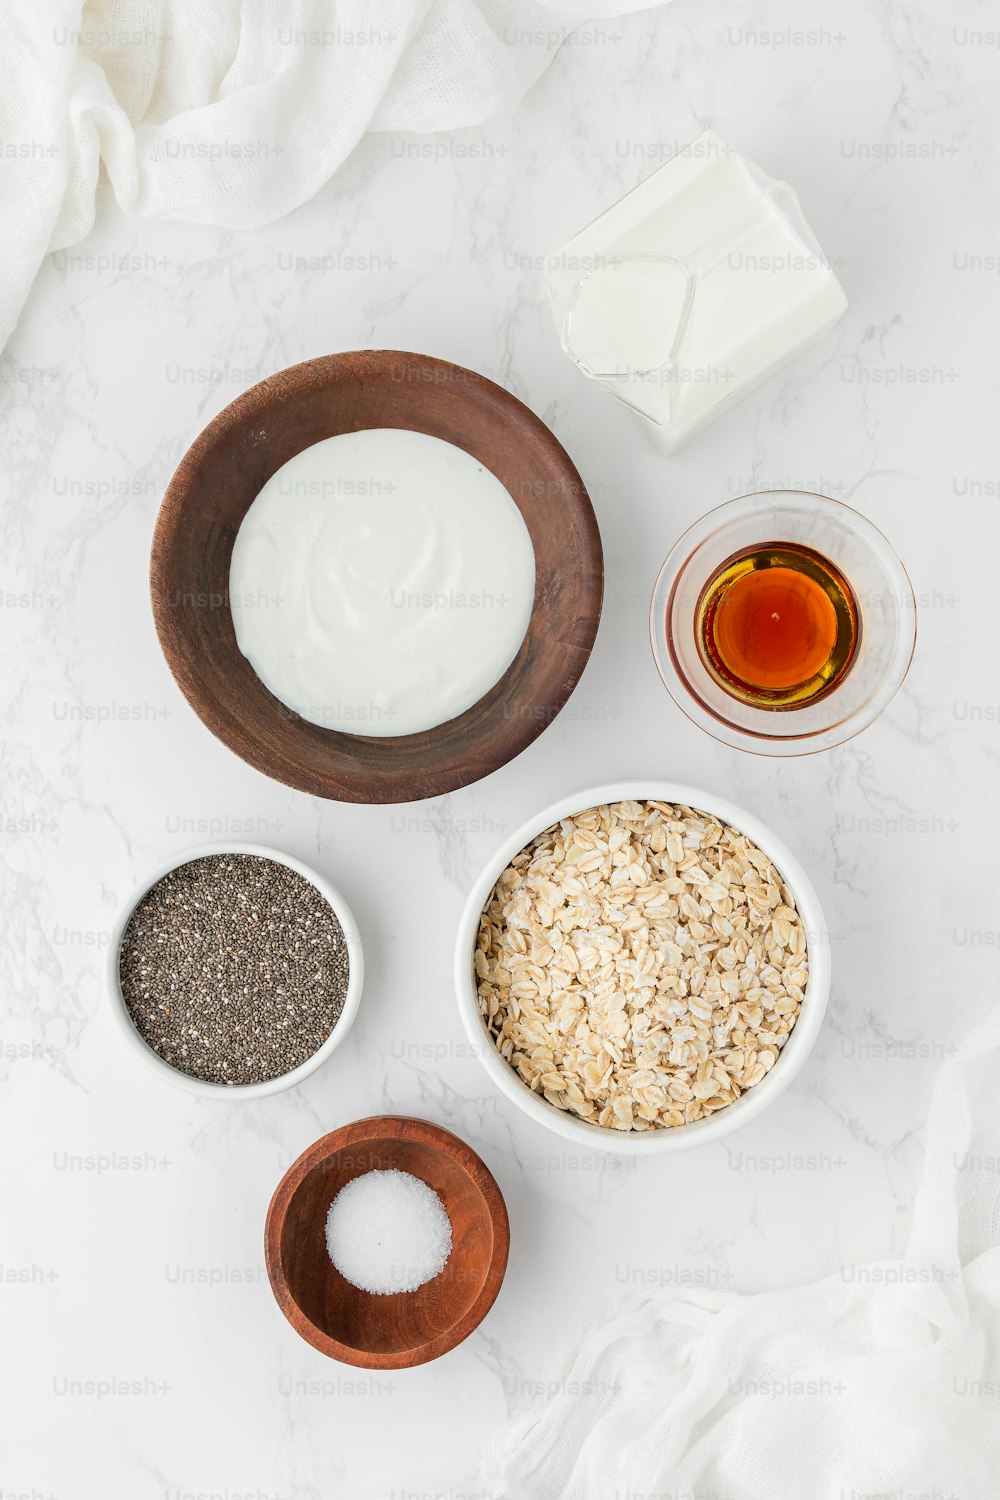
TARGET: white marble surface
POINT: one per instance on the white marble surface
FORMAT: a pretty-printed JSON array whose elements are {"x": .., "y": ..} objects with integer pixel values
[{"x": 885, "y": 118}]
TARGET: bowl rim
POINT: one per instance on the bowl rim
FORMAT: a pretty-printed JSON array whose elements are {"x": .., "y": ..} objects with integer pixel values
[
  {"x": 707, "y": 718},
  {"x": 402, "y": 1128},
  {"x": 465, "y": 765},
  {"x": 750, "y": 1104},
  {"x": 202, "y": 1088}
]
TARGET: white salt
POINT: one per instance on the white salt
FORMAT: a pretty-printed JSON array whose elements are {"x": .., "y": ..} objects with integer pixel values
[{"x": 388, "y": 1232}]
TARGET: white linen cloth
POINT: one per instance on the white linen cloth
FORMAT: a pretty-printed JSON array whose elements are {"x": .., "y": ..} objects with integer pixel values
[
  {"x": 883, "y": 1384},
  {"x": 233, "y": 112}
]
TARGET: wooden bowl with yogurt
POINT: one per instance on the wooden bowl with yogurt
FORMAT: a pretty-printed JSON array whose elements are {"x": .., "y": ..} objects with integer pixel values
[{"x": 343, "y": 754}]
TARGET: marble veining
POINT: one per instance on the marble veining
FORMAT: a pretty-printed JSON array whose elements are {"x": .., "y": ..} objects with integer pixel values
[{"x": 131, "y": 1239}]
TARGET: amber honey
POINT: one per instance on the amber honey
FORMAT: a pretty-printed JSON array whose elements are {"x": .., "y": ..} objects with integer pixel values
[{"x": 778, "y": 626}]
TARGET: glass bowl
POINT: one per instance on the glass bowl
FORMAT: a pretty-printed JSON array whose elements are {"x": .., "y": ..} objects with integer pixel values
[{"x": 886, "y": 611}]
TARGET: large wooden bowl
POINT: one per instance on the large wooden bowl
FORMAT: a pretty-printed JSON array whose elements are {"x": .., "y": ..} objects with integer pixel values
[
  {"x": 221, "y": 475},
  {"x": 403, "y": 1328}
]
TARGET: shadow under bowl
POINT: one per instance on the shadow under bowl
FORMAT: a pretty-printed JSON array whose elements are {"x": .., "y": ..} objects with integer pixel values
[
  {"x": 223, "y": 472},
  {"x": 401, "y": 1329}
]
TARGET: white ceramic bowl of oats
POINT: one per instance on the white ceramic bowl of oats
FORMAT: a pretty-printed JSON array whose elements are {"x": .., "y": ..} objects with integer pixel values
[{"x": 642, "y": 967}]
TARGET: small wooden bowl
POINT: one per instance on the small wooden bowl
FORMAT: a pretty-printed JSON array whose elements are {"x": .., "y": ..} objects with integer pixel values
[
  {"x": 401, "y": 1329},
  {"x": 221, "y": 475}
]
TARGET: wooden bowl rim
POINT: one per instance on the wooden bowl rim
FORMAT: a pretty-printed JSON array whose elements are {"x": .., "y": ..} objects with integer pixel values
[
  {"x": 281, "y": 388},
  {"x": 401, "y": 1128}
]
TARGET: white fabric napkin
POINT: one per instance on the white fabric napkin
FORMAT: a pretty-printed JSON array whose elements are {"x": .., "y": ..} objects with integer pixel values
[
  {"x": 233, "y": 112},
  {"x": 879, "y": 1384}
]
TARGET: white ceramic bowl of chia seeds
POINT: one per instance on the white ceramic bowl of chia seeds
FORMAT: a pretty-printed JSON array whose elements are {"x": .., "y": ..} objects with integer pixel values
[
  {"x": 748, "y": 1106},
  {"x": 345, "y": 1002}
]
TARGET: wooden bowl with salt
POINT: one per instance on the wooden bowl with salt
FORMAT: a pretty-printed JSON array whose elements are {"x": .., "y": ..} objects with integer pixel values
[{"x": 396, "y": 1330}]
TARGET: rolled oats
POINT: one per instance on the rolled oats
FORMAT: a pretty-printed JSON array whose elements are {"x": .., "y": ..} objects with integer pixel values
[{"x": 641, "y": 965}]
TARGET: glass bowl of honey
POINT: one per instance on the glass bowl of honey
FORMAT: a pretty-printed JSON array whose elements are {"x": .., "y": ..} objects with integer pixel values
[{"x": 783, "y": 622}]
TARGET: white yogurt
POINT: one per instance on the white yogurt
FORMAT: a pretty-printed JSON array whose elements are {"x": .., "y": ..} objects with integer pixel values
[{"x": 381, "y": 582}]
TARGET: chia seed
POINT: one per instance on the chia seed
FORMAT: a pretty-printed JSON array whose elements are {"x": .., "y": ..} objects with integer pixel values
[{"x": 234, "y": 969}]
